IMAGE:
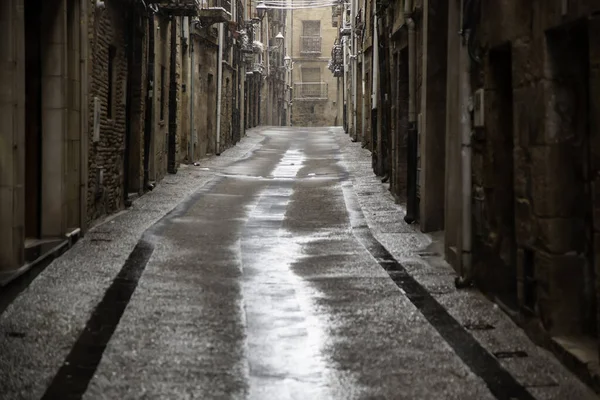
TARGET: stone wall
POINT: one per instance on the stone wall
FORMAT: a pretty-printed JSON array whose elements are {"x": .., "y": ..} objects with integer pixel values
[
  {"x": 205, "y": 94},
  {"x": 107, "y": 29},
  {"x": 12, "y": 135},
  {"x": 535, "y": 152},
  {"x": 314, "y": 112},
  {"x": 226, "y": 108}
]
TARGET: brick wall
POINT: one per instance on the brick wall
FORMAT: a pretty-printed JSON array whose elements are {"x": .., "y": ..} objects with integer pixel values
[{"x": 106, "y": 29}]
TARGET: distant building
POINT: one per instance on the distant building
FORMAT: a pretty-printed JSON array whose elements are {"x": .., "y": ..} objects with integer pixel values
[{"x": 314, "y": 88}]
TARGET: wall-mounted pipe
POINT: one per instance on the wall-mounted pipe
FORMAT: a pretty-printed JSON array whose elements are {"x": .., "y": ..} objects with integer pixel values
[
  {"x": 354, "y": 65},
  {"x": 83, "y": 142},
  {"x": 466, "y": 273},
  {"x": 189, "y": 24},
  {"x": 219, "y": 87},
  {"x": 412, "y": 134}
]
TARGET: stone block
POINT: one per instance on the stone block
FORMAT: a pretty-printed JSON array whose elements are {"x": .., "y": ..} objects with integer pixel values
[
  {"x": 561, "y": 282},
  {"x": 7, "y": 112},
  {"x": 594, "y": 41},
  {"x": 594, "y": 118},
  {"x": 522, "y": 173},
  {"x": 528, "y": 62},
  {"x": 561, "y": 235},
  {"x": 53, "y": 92},
  {"x": 555, "y": 186},
  {"x": 528, "y": 114},
  {"x": 524, "y": 223},
  {"x": 6, "y": 228},
  {"x": 54, "y": 60},
  {"x": 595, "y": 186}
]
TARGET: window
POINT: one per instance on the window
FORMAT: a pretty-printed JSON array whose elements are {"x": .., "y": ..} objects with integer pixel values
[
  {"x": 311, "y": 28},
  {"x": 311, "y": 87},
  {"x": 110, "y": 101},
  {"x": 310, "y": 41},
  {"x": 163, "y": 90}
]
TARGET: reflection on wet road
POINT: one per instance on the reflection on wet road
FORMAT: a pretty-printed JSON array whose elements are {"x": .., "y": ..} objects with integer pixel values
[{"x": 265, "y": 285}]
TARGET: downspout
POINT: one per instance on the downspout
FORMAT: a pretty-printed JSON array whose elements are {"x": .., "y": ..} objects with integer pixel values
[
  {"x": 354, "y": 64},
  {"x": 466, "y": 274},
  {"x": 364, "y": 81},
  {"x": 363, "y": 121},
  {"x": 345, "y": 91},
  {"x": 83, "y": 142},
  {"x": 412, "y": 136},
  {"x": 375, "y": 77},
  {"x": 191, "y": 85},
  {"x": 219, "y": 88}
]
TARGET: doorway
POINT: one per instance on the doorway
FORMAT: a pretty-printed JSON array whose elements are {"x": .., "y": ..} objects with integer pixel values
[
  {"x": 499, "y": 192},
  {"x": 33, "y": 118},
  {"x": 570, "y": 199},
  {"x": 132, "y": 161}
]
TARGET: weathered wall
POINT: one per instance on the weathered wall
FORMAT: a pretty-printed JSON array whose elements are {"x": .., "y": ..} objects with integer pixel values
[
  {"x": 544, "y": 167},
  {"x": 314, "y": 112},
  {"x": 107, "y": 28},
  {"x": 160, "y": 114},
  {"x": 226, "y": 108},
  {"x": 205, "y": 97},
  {"x": 434, "y": 27},
  {"x": 12, "y": 134}
]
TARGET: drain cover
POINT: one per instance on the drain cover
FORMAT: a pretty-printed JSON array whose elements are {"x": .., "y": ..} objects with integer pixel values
[
  {"x": 479, "y": 326},
  {"x": 18, "y": 335},
  {"x": 510, "y": 354}
]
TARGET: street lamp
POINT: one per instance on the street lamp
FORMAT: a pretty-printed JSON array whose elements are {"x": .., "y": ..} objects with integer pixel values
[
  {"x": 287, "y": 61},
  {"x": 261, "y": 8},
  {"x": 279, "y": 38}
]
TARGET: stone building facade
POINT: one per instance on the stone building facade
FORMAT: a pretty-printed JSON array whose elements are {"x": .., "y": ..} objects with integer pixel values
[
  {"x": 501, "y": 97},
  {"x": 534, "y": 73},
  {"x": 44, "y": 136},
  {"x": 314, "y": 87},
  {"x": 102, "y": 99}
]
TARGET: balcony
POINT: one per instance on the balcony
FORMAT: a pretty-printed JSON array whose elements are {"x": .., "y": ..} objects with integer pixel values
[
  {"x": 187, "y": 8},
  {"x": 310, "y": 91},
  {"x": 310, "y": 44},
  {"x": 215, "y": 11}
]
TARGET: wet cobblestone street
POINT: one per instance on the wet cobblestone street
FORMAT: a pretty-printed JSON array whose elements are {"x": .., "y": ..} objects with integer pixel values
[{"x": 280, "y": 270}]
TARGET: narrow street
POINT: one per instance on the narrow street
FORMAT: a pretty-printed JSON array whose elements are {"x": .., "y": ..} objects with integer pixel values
[{"x": 280, "y": 270}]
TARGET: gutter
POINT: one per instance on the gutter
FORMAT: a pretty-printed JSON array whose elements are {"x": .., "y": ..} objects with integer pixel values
[
  {"x": 466, "y": 273},
  {"x": 219, "y": 88},
  {"x": 413, "y": 134}
]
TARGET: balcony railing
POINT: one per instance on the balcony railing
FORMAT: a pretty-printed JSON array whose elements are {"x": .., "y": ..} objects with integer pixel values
[
  {"x": 310, "y": 44},
  {"x": 215, "y": 10},
  {"x": 178, "y": 7},
  {"x": 310, "y": 91}
]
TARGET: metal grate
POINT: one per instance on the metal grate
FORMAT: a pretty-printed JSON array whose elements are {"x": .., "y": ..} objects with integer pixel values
[
  {"x": 310, "y": 44},
  {"x": 310, "y": 91}
]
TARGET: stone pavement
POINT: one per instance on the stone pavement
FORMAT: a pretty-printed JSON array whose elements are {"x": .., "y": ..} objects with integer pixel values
[{"x": 280, "y": 270}]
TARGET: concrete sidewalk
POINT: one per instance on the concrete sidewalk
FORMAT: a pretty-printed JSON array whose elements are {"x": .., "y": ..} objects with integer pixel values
[{"x": 421, "y": 254}]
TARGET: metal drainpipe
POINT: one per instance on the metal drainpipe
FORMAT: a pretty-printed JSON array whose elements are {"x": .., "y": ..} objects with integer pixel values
[
  {"x": 375, "y": 66},
  {"x": 363, "y": 131},
  {"x": 219, "y": 88},
  {"x": 354, "y": 64},
  {"x": 466, "y": 273},
  {"x": 412, "y": 138},
  {"x": 83, "y": 142},
  {"x": 191, "y": 84}
]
